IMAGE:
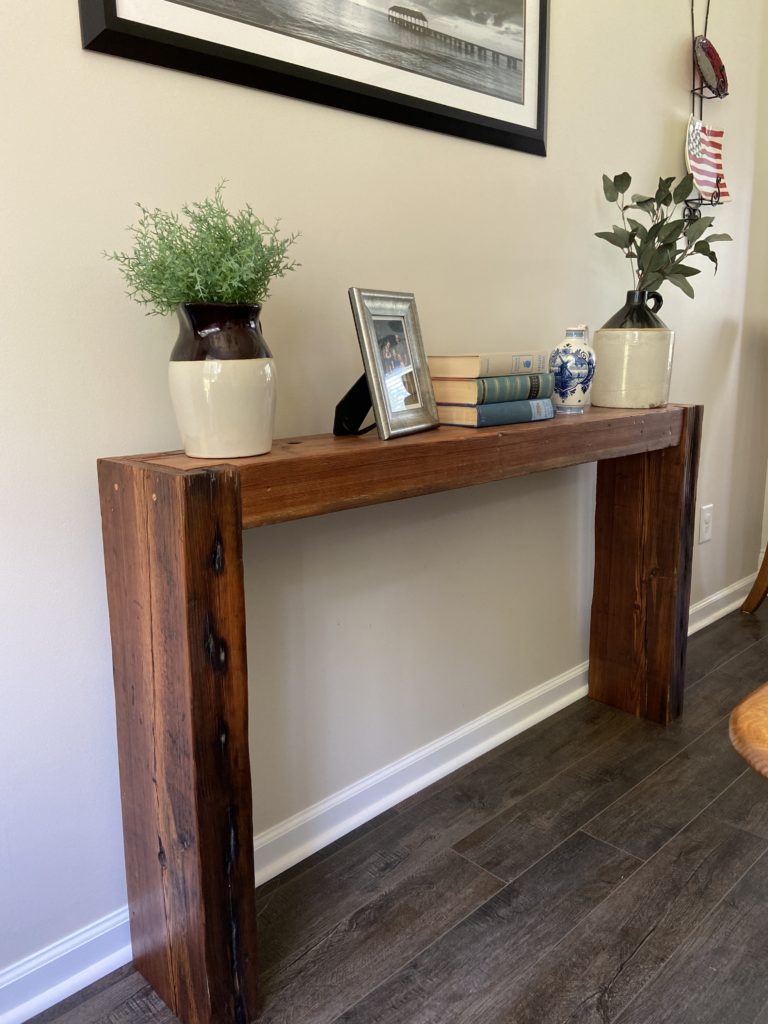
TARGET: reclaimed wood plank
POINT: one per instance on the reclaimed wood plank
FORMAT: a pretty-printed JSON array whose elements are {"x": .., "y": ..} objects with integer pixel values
[
  {"x": 173, "y": 549},
  {"x": 309, "y": 476},
  {"x": 643, "y": 557}
]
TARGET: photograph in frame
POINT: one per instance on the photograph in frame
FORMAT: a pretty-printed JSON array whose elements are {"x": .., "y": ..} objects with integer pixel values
[
  {"x": 473, "y": 68},
  {"x": 395, "y": 362}
]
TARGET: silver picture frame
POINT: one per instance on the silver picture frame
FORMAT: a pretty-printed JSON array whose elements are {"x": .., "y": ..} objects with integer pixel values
[{"x": 395, "y": 362}]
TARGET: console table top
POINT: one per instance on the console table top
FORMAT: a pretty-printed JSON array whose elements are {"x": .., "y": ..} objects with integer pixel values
[{"x": 316, "y": 474}]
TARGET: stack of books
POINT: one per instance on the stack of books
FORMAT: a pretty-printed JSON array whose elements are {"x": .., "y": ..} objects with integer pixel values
[{"x": 492, "y": 389}]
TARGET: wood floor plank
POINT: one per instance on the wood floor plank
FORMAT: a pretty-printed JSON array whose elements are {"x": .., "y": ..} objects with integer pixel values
[
  {"x": 744, "y": 804},
  {"x": 375, "y": 942},
  {"x": 497, "y": 783},
  {"x": 720, "y": 691},
  {"x": 645, "y": 818},
  {"x": 510, "y": 842},
  {"x": 716, "y": 644},
  {"x": 124, "y": 997},
  {"x": 610, "y": 956},
  {"x": 267, "y": 890},
  {"x": 719, "y": 975},
  {"x": 298, "y": 914},
  {"x": 497, "y": 942},
  {"x": 559, "y": 740}
]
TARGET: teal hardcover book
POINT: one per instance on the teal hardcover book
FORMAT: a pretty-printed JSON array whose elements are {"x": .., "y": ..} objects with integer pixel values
[
  {"x": 497, "y": 414},
  {"x": 488, "y": 390}
]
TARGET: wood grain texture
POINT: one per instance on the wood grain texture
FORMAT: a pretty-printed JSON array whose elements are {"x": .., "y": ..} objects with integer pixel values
[
  {"x": 508, "y": 843},
  {"x": 100, "y": 999},
  {"x": 720, "y": 643},
  {"x": 174, "y": 580},
  {"x": 375, "y": 941},
  {"x": 465, "y": 977},
  {"x": 662, "y": 803},
  {"x": 749, "y": 730},
  {"x": 718, "y": 975},
  {"x": 536, "y": 754},
  {"x": 310, "y": 476},
  {"x": 590, "y": 976},
  {"x": 643, "y": 555}
]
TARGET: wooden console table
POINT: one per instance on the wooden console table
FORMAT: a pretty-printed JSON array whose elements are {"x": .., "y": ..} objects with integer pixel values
[{"x": 173, "y": 551}]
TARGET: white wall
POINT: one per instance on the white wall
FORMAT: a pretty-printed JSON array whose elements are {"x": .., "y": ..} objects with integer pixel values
[{"x": 377, "y": 631}]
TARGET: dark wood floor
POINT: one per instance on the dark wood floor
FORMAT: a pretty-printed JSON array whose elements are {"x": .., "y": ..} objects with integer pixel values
[{"x": 595, "y": 868}]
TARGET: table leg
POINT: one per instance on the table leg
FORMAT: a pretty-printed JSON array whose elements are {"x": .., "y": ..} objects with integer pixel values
[
  {"x": 643, "y": 552},
  {"x": 173, "y": 555}
]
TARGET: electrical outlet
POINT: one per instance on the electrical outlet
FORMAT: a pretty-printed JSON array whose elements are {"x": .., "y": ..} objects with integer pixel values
[{"x": 705, "y": 523}]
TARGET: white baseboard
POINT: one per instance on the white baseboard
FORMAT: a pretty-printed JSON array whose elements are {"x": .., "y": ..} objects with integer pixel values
[
  {"x": 714, "y": 607},
  {"x": 292, "y": 840},
  {"x": 32, "y": 985},
  {"x": 40, "y": 981}
]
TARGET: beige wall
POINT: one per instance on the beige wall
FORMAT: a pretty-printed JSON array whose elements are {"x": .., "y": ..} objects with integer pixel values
[{"x": 371, "y": 632}]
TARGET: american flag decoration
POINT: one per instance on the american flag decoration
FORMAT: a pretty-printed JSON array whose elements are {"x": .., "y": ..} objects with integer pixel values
[{"x": 704, "y": 158}]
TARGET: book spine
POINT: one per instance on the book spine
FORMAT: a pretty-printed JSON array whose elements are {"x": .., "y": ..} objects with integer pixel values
[
  {"x": 496, "y": 364},
  {"x": 515, "y": 388},
  {"x": 501, "y": 413}
]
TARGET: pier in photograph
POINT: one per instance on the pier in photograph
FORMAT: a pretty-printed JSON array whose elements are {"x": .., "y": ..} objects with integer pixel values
[{"x": 415, "y": 21}]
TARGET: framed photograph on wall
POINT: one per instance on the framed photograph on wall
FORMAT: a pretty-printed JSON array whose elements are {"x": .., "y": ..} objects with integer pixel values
[
  {"x": 395, "y": 362},
  {"x": 473, "y": 68}
]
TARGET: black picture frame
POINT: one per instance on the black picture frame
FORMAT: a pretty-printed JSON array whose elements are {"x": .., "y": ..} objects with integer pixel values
[{"x": 105, "y": 31}]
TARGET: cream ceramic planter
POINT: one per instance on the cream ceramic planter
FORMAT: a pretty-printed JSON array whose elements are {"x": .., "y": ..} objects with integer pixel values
[
  {"x": 225, "y": 408},
  {"x": 634, "y": 367},
  {"x": 222, "y": 381}
]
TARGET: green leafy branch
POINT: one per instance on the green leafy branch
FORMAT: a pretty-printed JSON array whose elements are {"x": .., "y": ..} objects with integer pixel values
[
  {"x": 659, "y": 251},
  {"x": 203, "y": 254}
]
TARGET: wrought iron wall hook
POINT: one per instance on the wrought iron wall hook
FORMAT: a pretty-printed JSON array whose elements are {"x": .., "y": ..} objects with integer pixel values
[{"x": 693, "y": 206}]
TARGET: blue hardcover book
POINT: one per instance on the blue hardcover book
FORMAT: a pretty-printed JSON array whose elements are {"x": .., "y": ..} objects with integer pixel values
[{"x": 497, "y": 414}]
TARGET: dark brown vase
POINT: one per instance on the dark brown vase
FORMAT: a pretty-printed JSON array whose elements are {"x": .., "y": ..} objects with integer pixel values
[{"x": 216, "y": 330}]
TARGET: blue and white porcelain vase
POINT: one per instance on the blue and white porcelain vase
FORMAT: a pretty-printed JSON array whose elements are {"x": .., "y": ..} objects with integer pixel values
[{"x": 573, "y": 364}]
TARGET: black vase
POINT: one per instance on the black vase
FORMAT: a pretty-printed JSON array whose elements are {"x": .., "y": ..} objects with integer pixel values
[
  {"x": 637, "y": 314},
  {"x": 222, "y": 380}
]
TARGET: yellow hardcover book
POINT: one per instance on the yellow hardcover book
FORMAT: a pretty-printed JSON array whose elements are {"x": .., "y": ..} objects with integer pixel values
[{"x": 489, "y": 364}]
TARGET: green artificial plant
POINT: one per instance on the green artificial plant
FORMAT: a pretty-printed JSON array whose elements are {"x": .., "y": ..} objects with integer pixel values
[
  {"x": 660, "y": 250},
  {"x": 204, "y": 254}
]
